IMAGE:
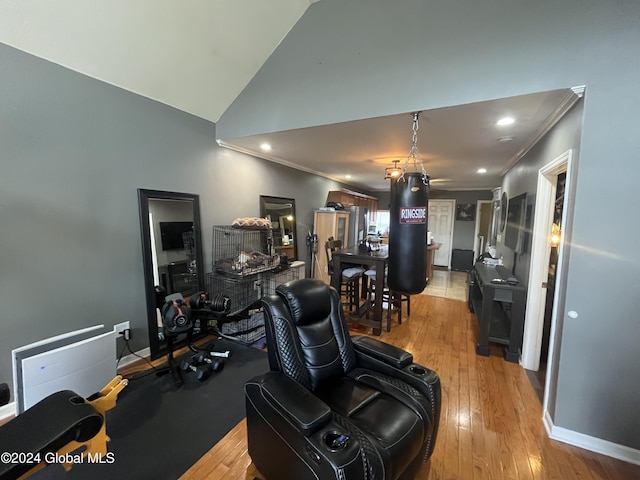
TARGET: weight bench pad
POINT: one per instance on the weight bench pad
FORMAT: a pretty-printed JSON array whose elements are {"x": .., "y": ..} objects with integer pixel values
[{"x": 47, "y": 427}]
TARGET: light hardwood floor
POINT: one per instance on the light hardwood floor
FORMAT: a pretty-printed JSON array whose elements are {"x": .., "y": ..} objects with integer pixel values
[
  {"x": 445, "y": 283},
  {"x": 490, "y": 426}
]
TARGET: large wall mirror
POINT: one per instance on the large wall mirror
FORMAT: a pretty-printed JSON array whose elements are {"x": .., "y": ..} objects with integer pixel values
[
  {"x": 282, "y": 213},
  {"x": 172, "y": 254}
]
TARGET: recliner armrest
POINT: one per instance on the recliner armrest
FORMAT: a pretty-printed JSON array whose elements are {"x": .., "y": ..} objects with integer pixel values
[
  {"x": 386, "y": 353},
  {"x": 303, "y": 409}
]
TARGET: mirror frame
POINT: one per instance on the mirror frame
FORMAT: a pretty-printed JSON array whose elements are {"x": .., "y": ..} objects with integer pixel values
[
  {"x": 144, "y": 196},
  {"x": 264, "y": 199},
  {"x": 503, "y": 212}
]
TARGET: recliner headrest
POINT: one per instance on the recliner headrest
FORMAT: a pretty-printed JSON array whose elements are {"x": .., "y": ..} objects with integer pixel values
[{"x": 308, "y": 299}]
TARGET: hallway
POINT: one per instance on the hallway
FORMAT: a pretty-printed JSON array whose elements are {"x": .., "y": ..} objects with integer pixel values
[{"x": 447, "y": 284}]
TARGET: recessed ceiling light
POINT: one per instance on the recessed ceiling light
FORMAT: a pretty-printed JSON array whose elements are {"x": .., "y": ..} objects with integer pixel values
[
  {"x": 266, "y": 147},
  {"x": 504, "y": 121},
  {"x": 347, "y": 176},
  {"x": 482, "y": 170}
]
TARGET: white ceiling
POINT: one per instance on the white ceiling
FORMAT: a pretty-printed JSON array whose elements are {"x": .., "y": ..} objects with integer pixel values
[
  {"x": 197, "y": 56},
  {"x": 454, "y": 142},
  {"x": 194, "y": 55}
]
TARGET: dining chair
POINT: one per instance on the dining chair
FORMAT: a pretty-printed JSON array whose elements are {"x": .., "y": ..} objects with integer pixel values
[
  {"x": 349, "y": 277},
  {"x": 393, "y": 299}
]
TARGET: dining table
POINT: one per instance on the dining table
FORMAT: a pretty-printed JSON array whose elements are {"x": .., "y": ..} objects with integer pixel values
[{"x": 348, "y": 257}]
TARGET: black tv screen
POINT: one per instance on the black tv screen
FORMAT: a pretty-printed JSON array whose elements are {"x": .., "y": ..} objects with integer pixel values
[{"x": 171, "y": 234}]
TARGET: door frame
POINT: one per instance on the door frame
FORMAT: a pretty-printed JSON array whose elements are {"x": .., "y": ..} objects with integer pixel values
[
  {"x": 476, "y": 231},
  {"x": 451, "y": 201},
  {"x": 538, "y": 273}
]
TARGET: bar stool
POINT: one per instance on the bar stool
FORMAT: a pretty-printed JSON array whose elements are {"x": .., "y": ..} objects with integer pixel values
[
  {"x": 349, "y": 277},
  {"x": 392, "y": 299}
]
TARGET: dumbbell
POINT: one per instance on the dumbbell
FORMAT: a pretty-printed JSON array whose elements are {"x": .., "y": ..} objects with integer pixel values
[
  {"x": 201, "y": 373},
  {"x": 214, "y": 365},
  {"x": 218, "y": 303}
]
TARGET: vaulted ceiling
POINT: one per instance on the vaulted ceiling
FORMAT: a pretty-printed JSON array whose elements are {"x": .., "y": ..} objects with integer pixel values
[{"x": 198, "y": 56}]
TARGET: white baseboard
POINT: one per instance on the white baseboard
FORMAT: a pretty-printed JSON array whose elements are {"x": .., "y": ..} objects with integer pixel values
[
  {"x": 132, "y": 358},
  {"x": 590, "y": 443},
  {"x": 9, "y": 410}
]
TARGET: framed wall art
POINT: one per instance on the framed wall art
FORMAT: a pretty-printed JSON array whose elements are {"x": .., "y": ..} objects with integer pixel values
[{"x": 466, "y": 211}]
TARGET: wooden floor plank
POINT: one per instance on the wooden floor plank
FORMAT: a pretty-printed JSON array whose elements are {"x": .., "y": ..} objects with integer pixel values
[{"x": 491, "y": 425}]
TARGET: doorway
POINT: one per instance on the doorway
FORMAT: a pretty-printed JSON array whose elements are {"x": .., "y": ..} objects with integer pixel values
[
  {"x": 550, "y": 207},
  {"x": 538, "y": 378},
  {"x": 441, "y": 216},
  {"x": 484, "y": 216}
]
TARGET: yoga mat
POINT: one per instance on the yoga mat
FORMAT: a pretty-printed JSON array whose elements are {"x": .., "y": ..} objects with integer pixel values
[{"x": 158, "y": 431}]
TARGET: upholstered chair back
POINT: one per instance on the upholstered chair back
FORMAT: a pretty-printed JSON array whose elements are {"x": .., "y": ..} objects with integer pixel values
[{"x": 307, "y": 337}]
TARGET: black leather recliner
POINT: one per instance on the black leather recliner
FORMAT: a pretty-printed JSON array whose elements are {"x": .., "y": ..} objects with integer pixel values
[{"x": 335, "y": 406}]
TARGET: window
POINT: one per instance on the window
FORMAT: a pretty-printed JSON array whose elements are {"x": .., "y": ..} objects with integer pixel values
[{"x": 382, "y": 222}]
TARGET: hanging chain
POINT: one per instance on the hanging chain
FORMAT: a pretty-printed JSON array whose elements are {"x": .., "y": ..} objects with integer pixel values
[{"x": 414, "y": 154}]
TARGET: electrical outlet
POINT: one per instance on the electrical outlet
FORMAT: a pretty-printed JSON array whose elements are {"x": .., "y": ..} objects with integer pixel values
[{"x": 120, "y": 328}]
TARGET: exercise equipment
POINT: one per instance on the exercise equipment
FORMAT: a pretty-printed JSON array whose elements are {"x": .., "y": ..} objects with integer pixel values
[
  {"x": 62, "y": 428},
  {"x": 176, "y": 320},
  {"x": 217, "y": 303},
  {"x": 215, "y": 365},
  {"x": 201, "y": 373},
  {"x": 407, "y": 234},
  {"x": 225, "y": 354},
  {"x": 207, "y": 352},
  {"x": 408, "y": 223},
  {"x": 176, "y": 316}
]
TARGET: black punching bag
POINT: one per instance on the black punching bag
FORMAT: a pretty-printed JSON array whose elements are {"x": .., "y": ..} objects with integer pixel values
[{"x": 408, "y": 234}]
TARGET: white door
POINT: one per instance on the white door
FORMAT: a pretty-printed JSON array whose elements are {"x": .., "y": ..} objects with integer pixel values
[{"x": 441, "y": 215}]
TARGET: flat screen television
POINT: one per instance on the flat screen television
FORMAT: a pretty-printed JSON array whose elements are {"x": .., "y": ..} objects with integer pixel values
[{"x": 171, "y": 234}]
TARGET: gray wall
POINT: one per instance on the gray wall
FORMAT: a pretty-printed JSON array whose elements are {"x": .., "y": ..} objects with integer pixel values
[
  {"x": 523, "y": 179},
  {"x": 413, "y": 55},
  {"x": 74, "y": 152},
  {"x": 463, "y": 231}
]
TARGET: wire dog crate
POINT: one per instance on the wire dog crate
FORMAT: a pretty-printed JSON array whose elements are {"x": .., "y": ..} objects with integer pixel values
[
  {"x": 241, "y": 252},
  {"x": 244, "y": 321},
  {"x": 244, "y": 268}
]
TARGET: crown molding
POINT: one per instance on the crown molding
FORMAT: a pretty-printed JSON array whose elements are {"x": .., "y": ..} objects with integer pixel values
[
  {"x": 573, "y": 95},
  {"x": 280, "y": 161}
]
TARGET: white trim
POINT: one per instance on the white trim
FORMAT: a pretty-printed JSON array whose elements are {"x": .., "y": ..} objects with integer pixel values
[
  {"x": 282, "y": 161},
  {"x": 476, "y": 232},
  {"x": 8, "y": 410},
  {"x": 560, "y": 287},
  {"x": 573, "y": 95},
  {"x": 452, "y": 202},
  {"x": 593, "y": 444},
  {"x": 132, "y": 358},
  {"x": 540, "y": 252}
]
